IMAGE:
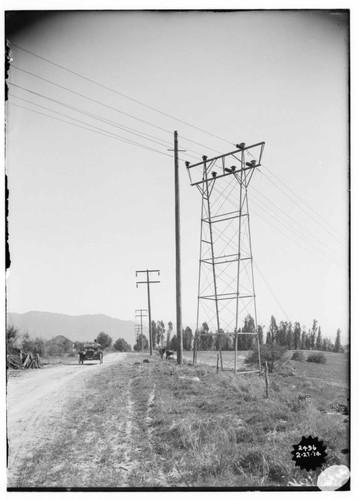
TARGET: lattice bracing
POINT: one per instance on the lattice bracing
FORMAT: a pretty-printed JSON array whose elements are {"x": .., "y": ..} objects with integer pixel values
[
  {"x": 226, "y": 285},
  {"x": 226, "y": 292},
  {"x": 219, "y": 350}
]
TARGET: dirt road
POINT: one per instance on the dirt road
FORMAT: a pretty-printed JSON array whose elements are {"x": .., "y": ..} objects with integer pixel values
[{"x": 35, "y": 400}]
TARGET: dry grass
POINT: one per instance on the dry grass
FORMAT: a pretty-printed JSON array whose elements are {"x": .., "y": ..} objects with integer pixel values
[{"x": 143, "y": 425}]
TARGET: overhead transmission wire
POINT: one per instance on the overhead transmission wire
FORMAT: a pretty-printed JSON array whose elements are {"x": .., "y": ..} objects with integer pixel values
[
  {"x": 322, "y": 220},
  {"x": 296, "y": 235},
  {"x": 145, "y": 105},
  {"x": 282, "y": 223},
  {"x": 229, "y": 242},
  {"x": 272, "y": 292},
  {"x": 141, "y": 134},
  {"x": 331, "y": 230},
  {"x": 306, "y": 232},
  {"x": 307, "y": 248},
  {"x": 122, "y": 94},
  {"x": 123, "y": 139},
  {"x": 102, "y": 132},
  {"x": 182, "y": 121},
  {"x": 328, "y": 229},
  {"x": 78, "y": 110},
  {"x": 164, "y": 114},
  {"x": 103, "y": 104}
]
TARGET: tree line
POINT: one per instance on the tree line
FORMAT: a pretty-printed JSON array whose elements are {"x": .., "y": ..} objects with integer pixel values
[
  {"x": 59, "y": 345},
  {"x": 290, "y": 335}
]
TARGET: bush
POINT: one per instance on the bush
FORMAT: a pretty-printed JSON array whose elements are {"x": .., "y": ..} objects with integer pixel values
[
  {"x": 272, "y": 353},
  {"x": 104, "y": 339},
  {"x": 317, "y": 358},
  {"x": 122, "y": 345},
  {"x": 298, "y": 356},
  {"x": 58, "y": 346},
  {"x": 35, "y": 346},
  {"x": 12, "y": 335}
]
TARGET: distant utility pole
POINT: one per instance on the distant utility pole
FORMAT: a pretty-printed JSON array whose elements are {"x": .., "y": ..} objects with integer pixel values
[
  {"x": 140, "y": 313},
  {"x": 148, "y": 271},
  {"x": 138, "y": 335}
]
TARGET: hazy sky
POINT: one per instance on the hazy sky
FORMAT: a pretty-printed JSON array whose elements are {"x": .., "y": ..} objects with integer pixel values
[{"x": 88, "y": 210}]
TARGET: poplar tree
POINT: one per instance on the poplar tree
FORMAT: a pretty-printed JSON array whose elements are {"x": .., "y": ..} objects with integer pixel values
[
  {"x": 169, "y": 331},
  {"x": 337, "y": 345},
  {"x": 319, "y": 342},
  {"x": 273, "y": 328},
  {"x": 297, "y": 335}
]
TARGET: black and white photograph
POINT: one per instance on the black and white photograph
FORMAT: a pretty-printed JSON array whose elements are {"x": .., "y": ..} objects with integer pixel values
[{"x": 177, "y": 247}]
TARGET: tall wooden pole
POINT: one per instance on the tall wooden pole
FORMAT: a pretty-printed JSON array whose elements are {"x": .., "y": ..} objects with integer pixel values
[
  {"x": 178, "y": 258},
  {"x": 149, "y": 313},
  {"x": 148, "y": 282}
]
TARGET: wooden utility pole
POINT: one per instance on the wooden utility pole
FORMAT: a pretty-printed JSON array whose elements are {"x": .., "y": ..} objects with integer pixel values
[
  {"x": 178, "y": 257},
  {"x": 148, "y": 271},
  {"x": 141, "y": 314}
]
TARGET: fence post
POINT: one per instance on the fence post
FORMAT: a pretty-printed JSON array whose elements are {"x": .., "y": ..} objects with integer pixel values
[
  {"x": 195, "y": 350},
  {"x": 217, "y": 362},
  {"x": 266, "y": 379},
  {"x": 221, "y": 358},
  {"x": 235, "y": 350}
]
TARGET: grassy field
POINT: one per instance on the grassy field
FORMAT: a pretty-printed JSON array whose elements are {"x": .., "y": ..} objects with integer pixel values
[{"x": 155, "y": 425}]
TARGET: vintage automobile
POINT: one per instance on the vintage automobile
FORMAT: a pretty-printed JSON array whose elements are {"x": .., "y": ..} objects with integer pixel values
[{"x": 91, "y": 352}]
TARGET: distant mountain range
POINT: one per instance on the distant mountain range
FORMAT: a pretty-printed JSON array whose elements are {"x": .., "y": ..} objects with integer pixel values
[{"x": 76, "y": 328}]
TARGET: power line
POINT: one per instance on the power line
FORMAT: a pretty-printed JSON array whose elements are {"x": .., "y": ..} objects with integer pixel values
[
  {"x": 121, "y": 94},
  {"x": 160, "y": 128},
  {"x": 333, "y": 232},
  {"x": 307, "y": 234},
  {"x": 106, "y": 134},
  {"x": 78, "y": 110},
  {"x": 301, "y": 205},
  {"x": 298, "y": 236},
  {"x": 105, "y": 105},
  {"x": 90, "y": 98},
  {"x": 284, "y": 224},
  {"x": 165, "y": 114},
  {"x": 306, "y": 248},
  {"x": 120, "y": 138},
  {"x": 138, "y": 133},
  {"x": 271, "y": 291}
]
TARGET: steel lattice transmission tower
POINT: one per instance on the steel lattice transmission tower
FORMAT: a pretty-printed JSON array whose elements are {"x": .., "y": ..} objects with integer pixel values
[{"x": 226, "y": 292}]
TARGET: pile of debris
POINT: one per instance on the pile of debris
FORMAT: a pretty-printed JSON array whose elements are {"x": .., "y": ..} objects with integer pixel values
[{"x": 23, "y": 360}]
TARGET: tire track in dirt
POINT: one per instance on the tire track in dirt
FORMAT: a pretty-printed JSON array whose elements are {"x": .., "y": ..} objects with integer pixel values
[{"x": 35, "y": 403}]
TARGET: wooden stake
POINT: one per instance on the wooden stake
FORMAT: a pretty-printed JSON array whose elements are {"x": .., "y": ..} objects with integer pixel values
[
  {"x": 235, "y": 351},
  {"x": 266, "y": 379}
]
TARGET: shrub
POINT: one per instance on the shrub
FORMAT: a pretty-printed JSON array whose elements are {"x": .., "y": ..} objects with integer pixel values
[
  {"x": 122, "y": 345},
  {"x": 104, "y": 339},
  {"x": 36, "y": 346},
  {"x": 272, "y": 353},
  {"x": 298, "y": 356},
  {"x": 12, "y": 335},
  {"x": 317, "y": 358}
]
